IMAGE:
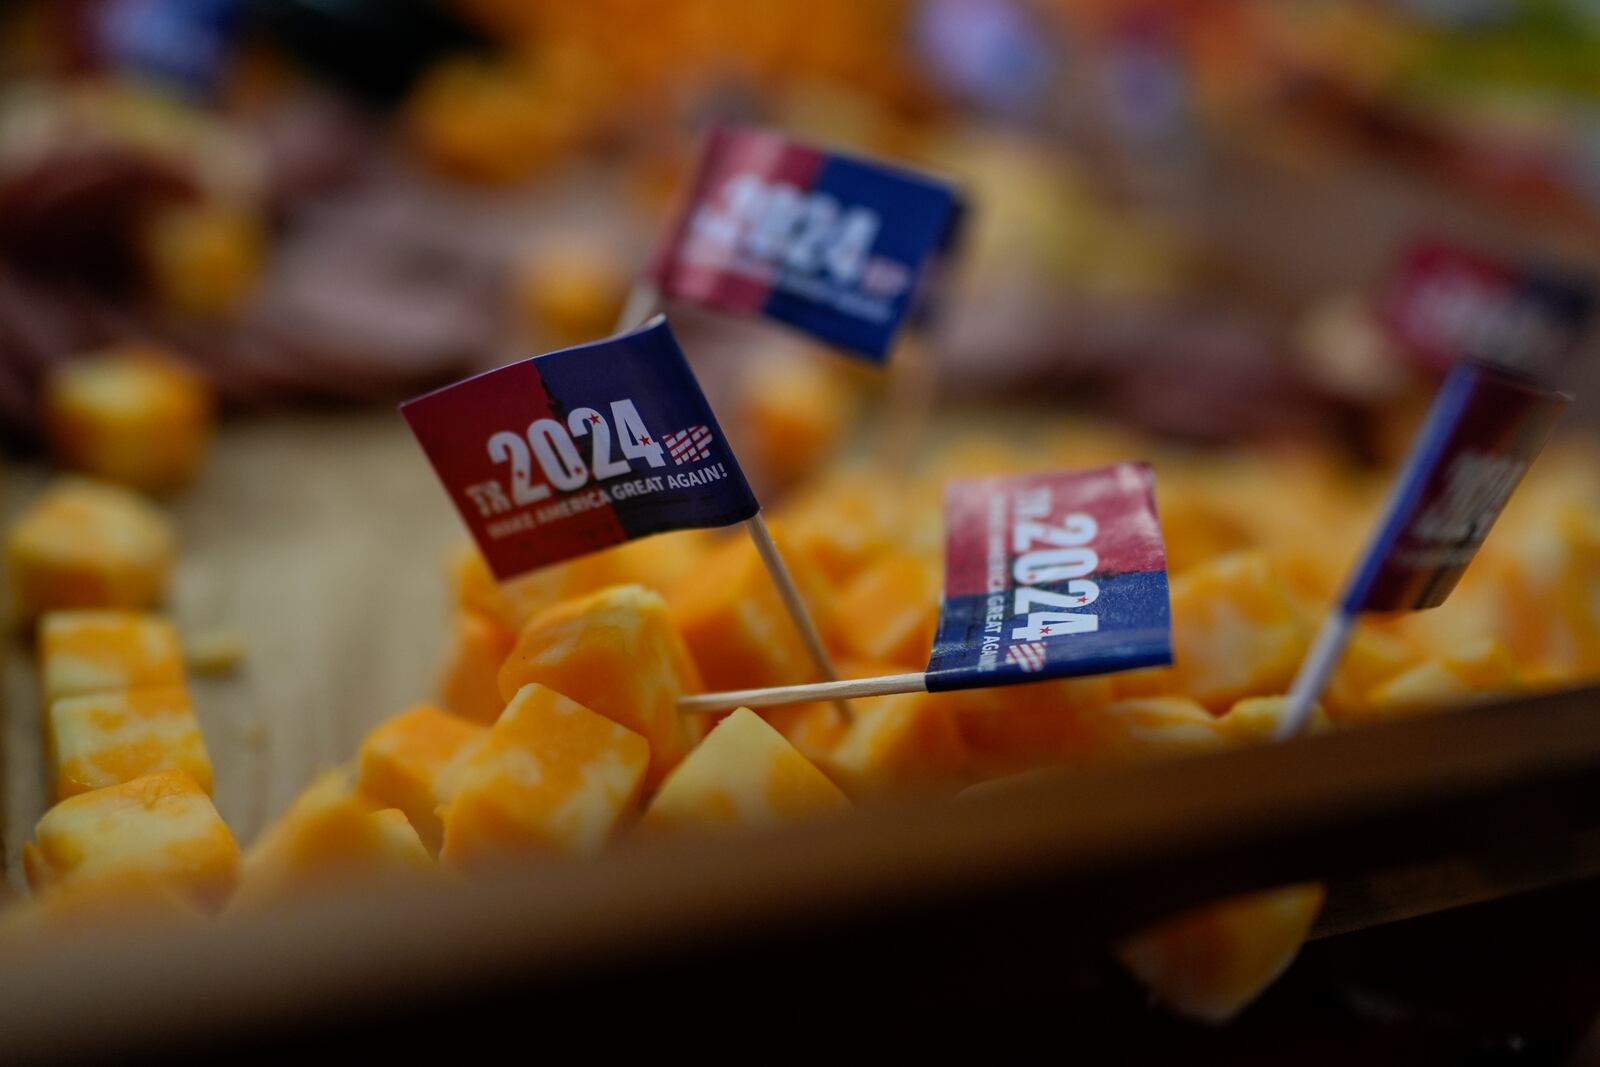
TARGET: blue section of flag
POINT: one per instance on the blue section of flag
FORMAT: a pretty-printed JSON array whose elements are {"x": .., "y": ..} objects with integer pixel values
[
  {"x": 975, "y": 647},
  {"x": 1485, "y": 428},
  {"x": 919, "y": 224},
  {"x": 701, "y": 483}
]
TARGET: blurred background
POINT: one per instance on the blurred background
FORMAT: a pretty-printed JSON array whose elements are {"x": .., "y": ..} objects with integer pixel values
[{"x": 1188, "y": 212}]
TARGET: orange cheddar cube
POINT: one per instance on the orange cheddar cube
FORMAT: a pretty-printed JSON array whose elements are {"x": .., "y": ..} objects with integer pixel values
[
  {"x": 1210, "y": 963},
  {"x": 735, "y": 624},
  {"x": 93, "y": 910},
  {"x": 1014, "y": 727},
  {"x": 331, "y": 835},
  {"x": 794, "y": 410},
  {"x": 843, "y": 523},
  {"x": 132, "y": 416},
  {"x": 413, "y": 761},
  {"x": 1373, "y": 657},
  {"x": 158, "y": 829},
  {"x": 86, "y": 544},
  {"x": 1235, "y": 634},
  {"x": 743, "y": 774},
  {"x": 617, "y": 653},
  {"x": 897, "y": 741},
  {"x": 1480, "y": 670},
  {"x": 890, "y": 611},
  {"x": 82, "y": 652},
  {"x": 1129, "y": 731},
  {"x": 470, "y": 685},
  {"x": 552, "y": 776},
  {"x": 203, "y": 259},
  {"x": 105, "y": 739},
  {"x": 570, "y": 287},
  {"x": 653, "y": 562},
  {"x": 1254, "y": 720}
]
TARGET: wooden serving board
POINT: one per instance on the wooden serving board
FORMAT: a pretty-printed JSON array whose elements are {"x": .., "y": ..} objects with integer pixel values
[{"x": 320, "y": 539}]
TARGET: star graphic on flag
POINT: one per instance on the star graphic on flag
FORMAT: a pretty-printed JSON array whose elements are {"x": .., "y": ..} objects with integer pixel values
[
  {"x": 595, "y": 419},
  {"x": 1044, "y": 630},
  {"x": 1083, "y": 600},
  {"x": 645, "y": 439}
]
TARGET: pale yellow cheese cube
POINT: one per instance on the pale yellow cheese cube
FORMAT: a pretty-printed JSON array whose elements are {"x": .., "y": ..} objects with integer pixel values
[
  {"x": 85, "y": 544},
  {"x": 84, "y": 652},
  {"x": 104, "y": 739},
  {"x": 160, "y": 829},
  {"x": 743, "y": 774}
]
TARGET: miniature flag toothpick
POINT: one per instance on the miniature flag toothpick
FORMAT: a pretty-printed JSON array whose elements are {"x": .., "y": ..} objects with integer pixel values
[
  {"x": 1046, "y": 576},
  {"x": 1485, "y": 427},
  {"x": 577, "y": 450},
  {"x": 830, "y": 244},
  {"x": 1447, "y": 303}
]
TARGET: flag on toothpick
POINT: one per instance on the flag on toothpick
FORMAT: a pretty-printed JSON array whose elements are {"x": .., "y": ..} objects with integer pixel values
[
  {"x": 577, "y": 450},
  {"x": 1046, "y": 576},
  {"x": 1051, "y": 575},
  {"x": 1485, "y": 428},
  {"x": 833, "y": 245},
  {"x": 571, "y": 452},
  {"x": 1447, "y": 303}
]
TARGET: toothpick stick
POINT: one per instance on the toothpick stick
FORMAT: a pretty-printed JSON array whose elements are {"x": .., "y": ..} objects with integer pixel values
[
  {"x": 701, "y": 703},
  {"x": 768, "y": 550},
  {"x": 1314, "y": 673},
  {"x": 642, "y": 300}
]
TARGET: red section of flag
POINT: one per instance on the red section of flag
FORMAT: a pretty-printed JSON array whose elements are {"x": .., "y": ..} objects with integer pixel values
[
  {"x": 981, "y": 519},
  {"x": 691, "y": 267},
  {"x": 456, "y": 425}
]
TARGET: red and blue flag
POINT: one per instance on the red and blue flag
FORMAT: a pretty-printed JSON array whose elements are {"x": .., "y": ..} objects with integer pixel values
[
  {"x": 1051, "y": 575},
  {"x": 1485, "y": 427},
  {"x": 577, "y": 450},
  {"x": 829, "y": 244},
  {"x": 1448, "y": 303}
]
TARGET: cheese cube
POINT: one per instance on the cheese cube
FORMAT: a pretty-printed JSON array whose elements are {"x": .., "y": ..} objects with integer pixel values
[
  {"x": 735, "y": 623},
  {"x": 897, "y": 741},
  {"x": 844, "y": 522},
  {"x": 654, "y": 562},
  {"x": 413, "y": 761},
  {"x": 470, "y": 685},
  {"x": 104, "y": 739},
  {"x": 888, "y": 613},
  {"x": 86, "y": 544},
  {"x": 1482, "y": 669},
  {"x": 158, "y": 829},
  {"x": 332, "y": 834},
  {"x": 1235, "y": 634},
  {"x": 570, "y": 286},
  {"x": 794, "y": 409},
  {"x": 132, "y": 415},
  {"x": 1375, "y": 655},
  {"x": 203, "y": 259},
  {"x": 616, "y": 653},
  {"x": 743, "y": 774},
  {"x": 82, "y": 652},
  {"x": 1254, "y": 720},
  {"x": 1015, "y": 727},
  {"x": 1210, "y": 963},
  {"x": 89, "y": 911},
  {"x": 552, "y": 776}
]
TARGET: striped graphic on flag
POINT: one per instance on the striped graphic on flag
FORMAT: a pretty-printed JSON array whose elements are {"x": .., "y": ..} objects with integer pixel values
[
  {"x": 1029, "y": 657},
  {"x": 689, "y": 446}
]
